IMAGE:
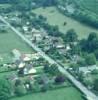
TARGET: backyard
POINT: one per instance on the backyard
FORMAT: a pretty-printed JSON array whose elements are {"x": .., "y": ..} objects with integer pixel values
[{"x": 59, "y": 94}]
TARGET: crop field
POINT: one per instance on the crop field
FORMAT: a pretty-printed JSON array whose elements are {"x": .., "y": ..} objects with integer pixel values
[
  {"x": 91, "y": 5},
  {"x": 54, "y": 17}
]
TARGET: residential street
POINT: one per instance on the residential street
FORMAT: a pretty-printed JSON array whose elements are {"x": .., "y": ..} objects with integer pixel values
[{"x": 82, "y": 88}]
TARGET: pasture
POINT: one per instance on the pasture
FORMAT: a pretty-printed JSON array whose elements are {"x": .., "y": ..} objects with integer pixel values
[
  {"x": 9, "y": 41},
  {"x": 54, "y": 17}
]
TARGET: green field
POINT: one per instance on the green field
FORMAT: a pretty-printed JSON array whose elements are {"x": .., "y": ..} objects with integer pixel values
[
  {"x": 91, "y": 5},
  {"x": 55, "y": 18},
  {"x": 9, "y": 41},
  {"x": 68, "y": 93}
]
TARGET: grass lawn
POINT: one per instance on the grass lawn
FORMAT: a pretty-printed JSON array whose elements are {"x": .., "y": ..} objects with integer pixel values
[
  {"x": 68, "y": 93},
  {"x": 54, "y": 17},
  {"x": 7, "y": 73},
  {"x": 10, "y": 41}
]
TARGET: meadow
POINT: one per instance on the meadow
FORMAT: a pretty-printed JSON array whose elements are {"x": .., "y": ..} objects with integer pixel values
[{"x": 54, "y": 17}]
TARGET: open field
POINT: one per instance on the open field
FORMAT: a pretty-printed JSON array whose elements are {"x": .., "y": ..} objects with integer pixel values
[
  {"x": 91, "y": 5},
  {"x": 2, "y": 75},
  {"x": 56, "y": 18},
  {"x": 69, "y": 93},
  {"x": 9, "y": 41}
]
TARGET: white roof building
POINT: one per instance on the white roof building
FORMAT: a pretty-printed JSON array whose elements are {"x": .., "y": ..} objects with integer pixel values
[{"x": 16, "y": 54}]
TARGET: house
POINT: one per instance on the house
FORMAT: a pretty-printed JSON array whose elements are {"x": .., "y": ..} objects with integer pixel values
[
  {"x": 29, "y": 71},
  {"x": 32, "y": 71},
  {"x": 21, "y": 65},
  {"x": 61, "y": 7},
  {"x": 32, "y": 56},
  {"x": 88, "y": 69},
  {"x": 70, "y": 8},
  {"x": 35, "y": 31},
  {"x": 38, "y": 37},
  {"x": 59, "y": 46},
  {"x": 15, "y": 20},
  {"x": 17, "y": 54},
  {"x": 25, "y": 28},
  {"x": 68, "y": 47}
]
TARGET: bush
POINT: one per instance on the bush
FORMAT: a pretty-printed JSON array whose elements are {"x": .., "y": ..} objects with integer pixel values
[
  {"x": 94, "y": 72},
  {"x": 20, "y": 90},
  {"x": 90, "y": 59},
  {"x": 60, "y": 79}
]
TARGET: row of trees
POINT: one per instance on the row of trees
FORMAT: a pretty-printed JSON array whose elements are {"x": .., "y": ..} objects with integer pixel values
[
  {"x": 86, "y": 48},
  {"x": 41, "y": 83},
  {"x": 45, "y": 3},
  {"x": 41, "y": 21},
  {"x": 5, "y": 89},
  {"x": 23, "y": 5},
  {"x": 86, "y": 18}
]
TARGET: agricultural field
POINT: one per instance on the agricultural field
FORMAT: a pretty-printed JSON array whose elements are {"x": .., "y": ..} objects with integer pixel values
[
  {"x": 59, "y": 94},
  {"x": 56, "y": 18}
]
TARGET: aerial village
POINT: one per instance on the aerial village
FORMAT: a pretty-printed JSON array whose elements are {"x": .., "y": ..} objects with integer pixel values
[{"x": 44, "y": 56}]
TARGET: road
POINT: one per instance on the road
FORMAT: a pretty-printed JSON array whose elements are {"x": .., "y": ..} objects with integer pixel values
[{"x": 81, "y": 87}]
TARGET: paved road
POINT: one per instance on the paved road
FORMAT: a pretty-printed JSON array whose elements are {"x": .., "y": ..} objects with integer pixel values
[{"x": 82, "y": 88}]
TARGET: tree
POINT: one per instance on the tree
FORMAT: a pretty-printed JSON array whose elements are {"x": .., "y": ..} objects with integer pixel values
[
  {"x": 5, "y": 89},
  {"x": 41, "y": 17},
  {"x": 18, "y": 82},
  {"x": 92, "y": 36},
  {"x": 96, "y": 84},
  {"x": 75, "y": 50},
  {"x": 54, "y": 69},
  {"x": 54, "y": 31},
  {"x": 83, "y": 45},
  {"x": 81, "y": 62},
  {"x": 46, "y": 68},
  {"x": 81, "y": 76},
  {"x": 90, "y": 59},
  {"x": 45, "y": 2},
  {"x": 71, "y": 36},
  {"x": 20, "y": 90},
  {"x": 96, "y": 53},
  {"x": 90, "y": 44},
  {"x": 60, "y": 79},
  {"x": 75, "y": 67},
  {"x": 22, "y": 5}
]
